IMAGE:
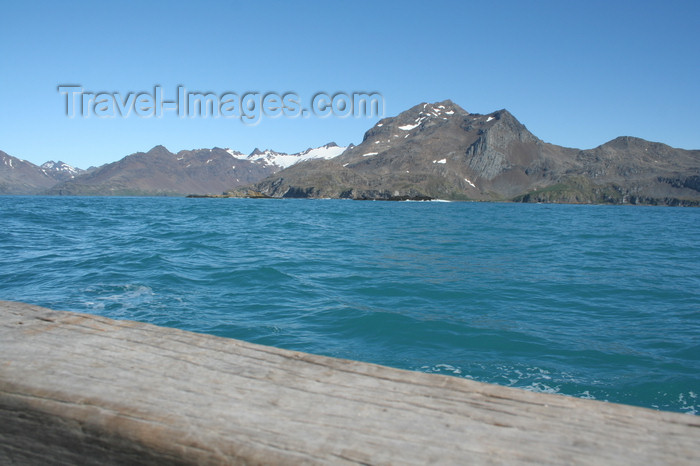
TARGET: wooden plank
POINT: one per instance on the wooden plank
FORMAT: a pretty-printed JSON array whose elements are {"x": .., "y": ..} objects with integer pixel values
[{"x": 78, "y": 388}]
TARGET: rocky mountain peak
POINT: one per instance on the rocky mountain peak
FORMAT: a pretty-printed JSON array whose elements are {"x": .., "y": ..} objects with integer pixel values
[
  {"x": 417, "y": 118},
  {"x": 159, "y": 150},
  {"x": 425, "y": 111},
  {"x": 60, "y": 165},
  {"x": 626, "y": 142},
  {"x": 331, "y": 147},
  {"x": 60, "y": 170}
]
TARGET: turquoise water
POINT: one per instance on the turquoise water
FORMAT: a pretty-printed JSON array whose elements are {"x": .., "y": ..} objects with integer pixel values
[{"x": 598, "y": 302}]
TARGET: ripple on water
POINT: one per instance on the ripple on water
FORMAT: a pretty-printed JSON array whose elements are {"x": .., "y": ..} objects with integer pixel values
[{"x": 598, "y": 302}]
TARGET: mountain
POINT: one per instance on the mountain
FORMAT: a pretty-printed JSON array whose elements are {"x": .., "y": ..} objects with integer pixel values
[
  {"x": 201, "y": 171},
  {"x": 627, "y": 170},
  {"x": 18, "y": 176},
  {"x": 436, "y": 150},
  {"x": 61, "y": 171},
  {"x": 441, "y": 151}
]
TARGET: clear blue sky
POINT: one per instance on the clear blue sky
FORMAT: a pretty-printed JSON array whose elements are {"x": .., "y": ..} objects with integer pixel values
[{"x": 575, "y": 73}]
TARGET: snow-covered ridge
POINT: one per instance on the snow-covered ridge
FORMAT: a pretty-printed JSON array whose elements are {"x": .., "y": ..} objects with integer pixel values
[
  {"x": 60, "y": 166},
  {"x": 283, "y": 160}
]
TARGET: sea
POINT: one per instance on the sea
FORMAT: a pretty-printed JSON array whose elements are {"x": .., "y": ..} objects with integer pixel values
[{"x": 590, "y": 301}]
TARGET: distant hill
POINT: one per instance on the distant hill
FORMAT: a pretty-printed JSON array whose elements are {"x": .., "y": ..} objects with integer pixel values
[
  {"x": 441, "y": 151},
  {"x": 18, "y": 176},
  {"x": 160, "y": 172}
]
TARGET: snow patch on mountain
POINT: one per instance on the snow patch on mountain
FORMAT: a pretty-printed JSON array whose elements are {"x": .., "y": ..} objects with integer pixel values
[
  {"x": 60, "y": 167},
  {"x": 283, "y": 160}
]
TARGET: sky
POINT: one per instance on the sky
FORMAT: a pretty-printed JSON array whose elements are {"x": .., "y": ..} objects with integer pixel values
[{"x": 576, "y": 74}]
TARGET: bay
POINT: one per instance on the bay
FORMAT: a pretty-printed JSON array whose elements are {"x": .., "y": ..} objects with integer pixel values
[{"x": 598, "y": 302}]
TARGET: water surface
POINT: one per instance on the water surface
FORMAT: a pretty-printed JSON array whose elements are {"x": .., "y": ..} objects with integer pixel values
[{"x": 598, "y": 302}]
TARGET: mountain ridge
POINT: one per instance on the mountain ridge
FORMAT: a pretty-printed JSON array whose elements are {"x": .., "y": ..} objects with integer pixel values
[
  {"x": 432, "y": 150},
  {"x": 18, "y": 176},
  {"x": 198, "y": 171},
  {"x": 157, "y": 172},
  {"x": 439, "y": 150}
]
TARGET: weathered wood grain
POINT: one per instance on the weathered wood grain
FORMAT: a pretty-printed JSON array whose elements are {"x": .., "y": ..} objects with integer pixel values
[{"x": 83, "y": 389}]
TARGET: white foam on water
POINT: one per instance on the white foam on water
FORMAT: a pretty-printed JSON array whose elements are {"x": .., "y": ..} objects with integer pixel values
[
  {"x": 95, "y": 306},
  {"x": 539, "y": 387},
  {"x": 128, "y": 295},
  {"x": 441, "y": 369},
  {"x": 688, "y": 405}
]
